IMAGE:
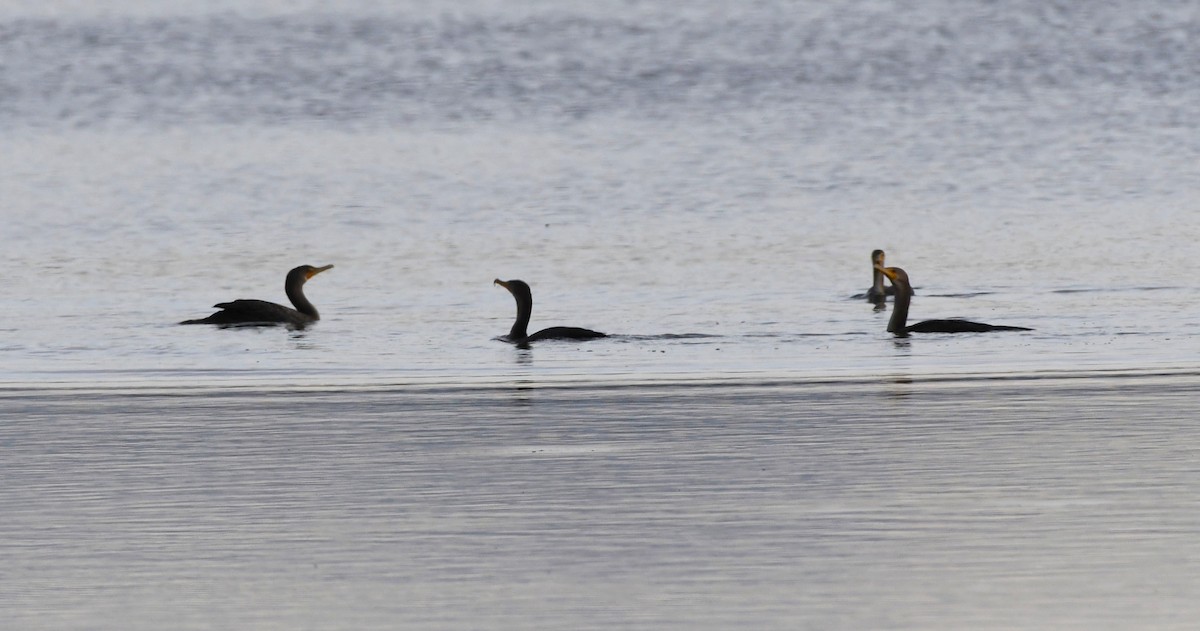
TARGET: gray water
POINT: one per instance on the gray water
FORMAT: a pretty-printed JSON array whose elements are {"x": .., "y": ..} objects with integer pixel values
[
  {"x": 703, "y": 182},
  {"x": 1064, "y": 503}
]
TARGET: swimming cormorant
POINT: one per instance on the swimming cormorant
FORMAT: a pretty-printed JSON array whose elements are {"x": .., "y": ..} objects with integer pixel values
[
  {"x": 898, "y": 324},
  {"x": 263, "y": 313},
  {"x": 519, "y": 333}
]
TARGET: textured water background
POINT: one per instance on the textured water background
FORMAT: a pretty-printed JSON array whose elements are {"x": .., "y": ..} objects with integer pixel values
[
  {"x": 706, "y": 183},
  {"x": 648, "y": 170},
  {"x": 927, "y": 504}
]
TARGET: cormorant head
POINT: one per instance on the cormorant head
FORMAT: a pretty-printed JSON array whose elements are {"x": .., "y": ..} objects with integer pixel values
[
  {"x": 305, "y": 272},
  {"x": 898, "y": 277},
  {"x": 518, "y": 288},
  {"x": 877, "y": 257}
]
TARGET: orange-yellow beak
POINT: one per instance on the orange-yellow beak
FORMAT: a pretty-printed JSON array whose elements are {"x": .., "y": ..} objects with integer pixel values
[{"x": 317, "y": 270}]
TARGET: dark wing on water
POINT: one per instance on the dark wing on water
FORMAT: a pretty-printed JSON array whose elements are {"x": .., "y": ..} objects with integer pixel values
[
  {"x": 959, "y": 326},
  {"x": 250, "y": 311},
  {"x": 564, "y": 333}
]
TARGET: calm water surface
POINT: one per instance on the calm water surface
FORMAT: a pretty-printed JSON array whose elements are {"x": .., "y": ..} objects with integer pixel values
[
  {"x": 894, "y": 503},
  {"x": 703, "y": 182}
]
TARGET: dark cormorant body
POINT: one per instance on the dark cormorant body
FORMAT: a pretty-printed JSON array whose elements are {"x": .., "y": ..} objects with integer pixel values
[
  {"x": 898, "y": 324},
  {"x": 519, "y": 333},
  {"x": 263, "y": 313}
]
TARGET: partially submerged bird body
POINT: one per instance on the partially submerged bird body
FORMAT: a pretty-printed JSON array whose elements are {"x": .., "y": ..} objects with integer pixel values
[
  {"x": 955, "y": 325},
  {"x": 559, "y": 333},
  {"x": 262, "y": 313},
  {"x": 519, "y": 333},
  {"x": 898, "y": 324}
]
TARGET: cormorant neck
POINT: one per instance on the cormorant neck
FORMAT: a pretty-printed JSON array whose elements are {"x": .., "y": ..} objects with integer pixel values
[
  {"x": 520, "y": 328},
  {"x": 295, "y": 293},
  {"x": 899, "y": 320},
  {"x": 877, "y": 283}
]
